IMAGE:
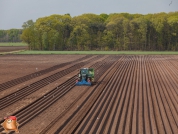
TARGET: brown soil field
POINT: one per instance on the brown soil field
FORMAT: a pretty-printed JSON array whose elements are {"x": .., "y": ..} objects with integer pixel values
[
  {"x": 132, "y": 94},
  {"x": 12, "y": 48}
]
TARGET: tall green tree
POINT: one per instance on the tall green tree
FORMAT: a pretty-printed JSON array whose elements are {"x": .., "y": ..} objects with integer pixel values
[
  {"x": 29, "y": 34},
  {"x": 117, "y": 31}
]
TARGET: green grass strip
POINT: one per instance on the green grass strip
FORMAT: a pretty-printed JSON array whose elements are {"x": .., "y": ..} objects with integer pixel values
[
  {"x": 103, "y": 52},
  {"x": 13, "y": 44}
]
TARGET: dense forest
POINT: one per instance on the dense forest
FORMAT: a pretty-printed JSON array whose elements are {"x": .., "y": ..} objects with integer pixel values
[
  {"x": 117, "y": 31},
  {"x": 12, "y": 35}
]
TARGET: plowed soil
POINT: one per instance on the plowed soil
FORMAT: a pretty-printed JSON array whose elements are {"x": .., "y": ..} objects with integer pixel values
[
  {"x": 132, "y": 94},
  {"x": 12, "y": 48}
]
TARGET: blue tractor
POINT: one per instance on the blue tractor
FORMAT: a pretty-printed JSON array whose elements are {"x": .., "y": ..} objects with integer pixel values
[{"x": 85, "y": 77}]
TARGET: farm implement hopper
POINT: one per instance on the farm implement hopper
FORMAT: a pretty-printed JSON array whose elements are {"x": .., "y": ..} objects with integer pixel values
[{"x": 85, "y": 77}]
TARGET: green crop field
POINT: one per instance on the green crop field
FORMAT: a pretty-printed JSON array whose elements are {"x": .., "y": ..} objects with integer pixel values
[
  {"x": 103, "y": 52},
  {"x": 13, "y": 44}
]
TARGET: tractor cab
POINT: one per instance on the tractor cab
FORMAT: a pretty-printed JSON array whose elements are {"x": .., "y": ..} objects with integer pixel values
[{"x": 85, "y": 77}]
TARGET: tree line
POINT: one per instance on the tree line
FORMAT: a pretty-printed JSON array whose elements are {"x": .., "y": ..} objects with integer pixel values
[
  {"x": 12, "y": 35},
  {"x": 117, "y": 31}
]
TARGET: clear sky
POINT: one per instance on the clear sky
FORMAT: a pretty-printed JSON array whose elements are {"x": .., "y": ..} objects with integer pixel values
[{"x": 13, "y": 13}]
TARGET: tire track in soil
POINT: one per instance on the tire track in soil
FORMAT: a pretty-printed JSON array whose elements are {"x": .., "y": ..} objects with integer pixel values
[
  {"x": 164, "y": 116},
  {"x": 72, "y": 105},
  {"x": 149, "y": 110},
  {"x": 162, "y": 122},
  {"x": 124, "y": 114},
  {"x": 173, "y": 78},
  {"x": 67, "y": 128},
  {"x": 171, "y": 85},
  {"x": 85, "y": 105},
  {"x": 156, "y": 112},
  {"x": 61, "y": 85},
  {"x": 150, "y": 126},
  {"x": 120, "y": 111},
  {"x": 140, "y": 97},
  {"x": 22, "y": 79},
  {"x": 130, "y": 108},
  {"x": 170, "y": 120},
  {"x": 103, "y": 123},
  {"x": 35, "y": 108},
  {"x": 23, "y": 92},
  {"x": 174, "y": 63},
  {"x": 171, "y": 67},
  {"x": 134, "y": 126},
  {"x": 140, "y": 101},
  {"x": 101, "y": 106}
]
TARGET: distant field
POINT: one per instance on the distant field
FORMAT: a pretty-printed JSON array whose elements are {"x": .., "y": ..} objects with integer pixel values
[
  {"x": 13, "y": 44},
  {"x": 103, "y": 52}
]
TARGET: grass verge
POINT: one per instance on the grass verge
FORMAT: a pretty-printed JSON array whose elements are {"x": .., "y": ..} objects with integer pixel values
[
  {"x": 13, "y": 44},
  {"x": 103, "y": 52}
]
